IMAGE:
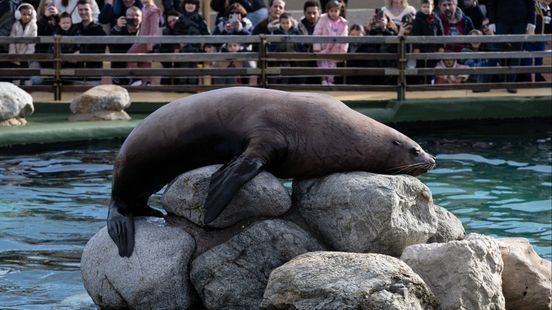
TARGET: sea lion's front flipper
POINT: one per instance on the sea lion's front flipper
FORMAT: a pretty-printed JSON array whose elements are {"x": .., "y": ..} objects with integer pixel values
[
  {"x": 226, "y": 182},
  {"x": 120, "y": 226}
]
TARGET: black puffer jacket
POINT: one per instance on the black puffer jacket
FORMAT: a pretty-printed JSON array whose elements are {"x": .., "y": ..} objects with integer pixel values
[
  {"x": 511, "y": 11},
  {"x": 427, "y": 25}
]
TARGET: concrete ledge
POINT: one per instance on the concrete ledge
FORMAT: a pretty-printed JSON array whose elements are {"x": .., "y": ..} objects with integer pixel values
[{"x": 49, "y": 124}]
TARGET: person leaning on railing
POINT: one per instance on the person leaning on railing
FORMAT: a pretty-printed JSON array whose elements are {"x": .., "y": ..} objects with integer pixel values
[
  {"x": 426, "y": 24},
  {"x": 288, "y": 26},
  {"x": 127, "y": 25},
  {"x": 380, "y": 24},
  {"x": 255, "y": 9},
  {"x": 454, "y": 22},
  {"x": 190, "y": 23},
  {"x": 24, "y": 26},
  {"x": 87, "y": 27},
  {"x": 46, "y": 24},
  {"x": 543, "y": 25},
  {"x": 171, "y": 18},
  {"x": 114, "y": 9}
]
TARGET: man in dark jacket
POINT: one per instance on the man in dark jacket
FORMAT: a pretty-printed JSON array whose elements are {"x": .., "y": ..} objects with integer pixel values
[
  {"x": 454, "y": 22},
  {"x": 87, "y": 27},
  {"x": 512, "y": 17}
]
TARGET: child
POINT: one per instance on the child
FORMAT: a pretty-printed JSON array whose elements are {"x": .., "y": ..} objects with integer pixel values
[
  {"x": 231, "y": 47},
  {"x": 426, "y": 24},
  {"x": 331, "y": 24},
  {"x": 450, "y": 78},
  {"x": 65, "y": 27},
  {"x": 24, "y": 26},
  {"x": 288, "y": 26},
  {"x": 476, "y": 63}
]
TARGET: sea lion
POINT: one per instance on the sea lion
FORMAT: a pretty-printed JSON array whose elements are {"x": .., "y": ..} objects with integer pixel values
[{"x": 291, "y": 135}]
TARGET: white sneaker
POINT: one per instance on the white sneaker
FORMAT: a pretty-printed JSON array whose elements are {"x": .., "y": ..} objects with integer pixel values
[
  {"x": 136, "y": 83},
  {"x": 324, "y": 82}
]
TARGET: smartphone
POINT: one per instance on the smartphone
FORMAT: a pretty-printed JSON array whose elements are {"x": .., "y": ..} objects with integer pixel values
[{"x": 51, "y": 4}]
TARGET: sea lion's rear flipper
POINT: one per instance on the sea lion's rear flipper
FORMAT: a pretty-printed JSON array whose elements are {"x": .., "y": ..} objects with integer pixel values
[
  {"x": 120, "y": 227},
  {"x": 226, "y": 182}
]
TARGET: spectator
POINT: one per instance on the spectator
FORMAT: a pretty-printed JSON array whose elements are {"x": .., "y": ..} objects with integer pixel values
[
  {"x": 71, "y": 7},
  {"x": 7, "y": 18},
  {"x": 454, "y": 22},
  {"x": 477, "y": 62},
  {"x": 427, "y": 24},
  {"x": 396, "y": 9},
  {"x": 450, "y": 78},
  {"x": 46, "y": 25},
  {"x": 270, "y": 23},
  {"x": 87, "y": 27},
  {"x": 288, "y": 26},
  {"x": 65, "y": 27},
  {"x": 323, "y": 4},
  {"x": 472, "y": 9},
  {"x": 234, "y": 22},
  {"x": 114, "y": 9},
  {"x": 311, "y": 14},
  {"x": 331, "y": 24},
  {"x": 512, "y": 17},
  {"x": 543, "y": 25},
  {"x": 380, "y": 24},
  {"x": 357, "y": 30},
  {"x": 190, "y": 23},
  {"x": 230, "y": 47},
  {"x": 24, "y": 26},
  {"x": 171, "y": 17},
  {"x": 128, "y": 25},
  {"x": 256, "y": 9},
  {"x": 151, "y": 15}
]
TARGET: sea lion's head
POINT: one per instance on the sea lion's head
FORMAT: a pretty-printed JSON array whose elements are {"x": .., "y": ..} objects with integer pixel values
[{"x": 408, "y": 157}]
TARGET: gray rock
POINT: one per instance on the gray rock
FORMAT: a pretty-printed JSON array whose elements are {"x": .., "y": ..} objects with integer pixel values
[
  {"x": 526, "y": 280},
  {"x": 263, "y": 196},
  {"x": 449, "y": 227},
  {"x": 338, "y": 280},
  {"x": 16, "y": 121},
  {"x": 15, "y": 103},
  {"x": 234, "y": 274},
  {"x": 366, "y": 212},
  {"x": 100, "y": 115},
  {"x": 462, "y": 274},
  {"x": 154, "y": 277},
  {"x": 97, "y": 102}
]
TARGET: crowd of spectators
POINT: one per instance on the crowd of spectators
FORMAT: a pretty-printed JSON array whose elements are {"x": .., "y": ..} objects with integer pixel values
[{"x": 28, "y": 18}]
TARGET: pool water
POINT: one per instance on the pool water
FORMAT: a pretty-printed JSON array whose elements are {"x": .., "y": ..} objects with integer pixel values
[{"x": 496, "y": 178}]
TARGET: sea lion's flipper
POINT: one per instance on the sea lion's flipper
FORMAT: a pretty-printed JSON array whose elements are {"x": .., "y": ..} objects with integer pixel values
[
  {"x": 120, "y": 226},
  {"x": 226, "y": 182}
]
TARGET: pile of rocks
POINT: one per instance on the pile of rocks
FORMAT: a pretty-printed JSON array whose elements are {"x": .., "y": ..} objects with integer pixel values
[
  {"x": 15, "y": 105},
  {"x": 346, "y": 241}
]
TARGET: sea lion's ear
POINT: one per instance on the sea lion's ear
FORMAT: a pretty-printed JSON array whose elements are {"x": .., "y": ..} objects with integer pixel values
[{"x": 226, "y": 182}]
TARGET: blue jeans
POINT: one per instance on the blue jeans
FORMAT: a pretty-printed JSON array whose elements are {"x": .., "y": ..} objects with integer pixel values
[
  {"x": 257, "y": 16},
  {"x": 519, "y": 28}
]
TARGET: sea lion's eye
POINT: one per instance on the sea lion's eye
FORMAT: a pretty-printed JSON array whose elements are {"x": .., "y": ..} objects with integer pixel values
[
  {"x": 415, "y": 151},
  {"x": 396, "y": 142}
]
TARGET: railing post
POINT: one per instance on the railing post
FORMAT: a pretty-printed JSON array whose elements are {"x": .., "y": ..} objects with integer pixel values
[
  {"x": 262, "y": 60},
  {"x": 401, "y": 87},
  {"x": 57, "y": 68}
]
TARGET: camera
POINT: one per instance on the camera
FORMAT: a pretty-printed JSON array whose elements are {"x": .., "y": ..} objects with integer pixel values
[
  {"x": 379, "y": 14},
  {"x": 407, "y": 20},
  {"x": 51, "y": 5},
  {"x": 131, "y": 22}
]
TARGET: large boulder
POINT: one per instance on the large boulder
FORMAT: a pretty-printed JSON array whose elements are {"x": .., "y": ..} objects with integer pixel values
[
  {"x": 156, "y": 276},
  {"x": 526, "y": 280},
  {"x": 365, "y": 212},
  {"x": 338, "y": 280},
  {"x": 234, "y": 274},
  {"x": 449, "y": 227},
  {"x": 263, "y": 196},
  {"x": 15, "y": 105},
  {"x": 462, "y": 274},
  {"x": 103, "y": 102}
]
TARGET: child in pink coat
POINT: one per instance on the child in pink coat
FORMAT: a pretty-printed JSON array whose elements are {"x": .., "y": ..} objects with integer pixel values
[{"x": 331, "y": 24}]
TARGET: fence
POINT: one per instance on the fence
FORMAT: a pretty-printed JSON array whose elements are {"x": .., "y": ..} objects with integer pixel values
[{"x": 268, "y": 71}]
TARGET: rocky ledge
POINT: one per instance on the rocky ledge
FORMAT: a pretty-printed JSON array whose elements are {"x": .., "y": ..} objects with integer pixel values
[{"x": 346, "y": 241}]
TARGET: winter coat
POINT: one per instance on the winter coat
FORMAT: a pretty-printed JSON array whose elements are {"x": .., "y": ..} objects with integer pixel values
[
  {"x": 324, "y": 27},
  {"x": 246, "y": 27},
  {"x": 191, "y": 24},
  {"x": 18, "y": 30},
  {"x": 149, "y": 27},
  {"x": 427, "y": 25},
  {"x": 511, "y": 11},
  {"x": 72, "y": 9}
]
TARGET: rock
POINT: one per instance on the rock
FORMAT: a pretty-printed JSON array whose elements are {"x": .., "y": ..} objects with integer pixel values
[
  {"x": 234, "y": 274},
  {"x": 449, "y": 227},
  {"x": 99, "y": 103},
  {"x": 526, "y": 278},
  {"x": 15, "y": 105},
  {"x": 366, "y": 212},
  {"x": 263, "y": 196},
  {"x": 338, "y": 280},
  {"x": 462, "y": 274},
  {"x": 154, "y": 277}
]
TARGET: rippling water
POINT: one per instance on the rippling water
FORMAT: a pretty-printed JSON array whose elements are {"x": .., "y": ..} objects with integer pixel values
[{"x": 496, "y": 179}]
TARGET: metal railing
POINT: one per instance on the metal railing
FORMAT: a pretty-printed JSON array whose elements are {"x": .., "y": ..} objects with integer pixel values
[{"x": 268, "y": 71}]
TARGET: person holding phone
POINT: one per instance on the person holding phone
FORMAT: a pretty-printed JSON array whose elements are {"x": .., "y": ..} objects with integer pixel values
[
  {"x": 397, "y": 9},
  {"x": 234, "y": 22}
]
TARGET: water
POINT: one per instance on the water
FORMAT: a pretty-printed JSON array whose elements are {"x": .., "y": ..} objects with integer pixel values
[{"x": 496, "y": 179}]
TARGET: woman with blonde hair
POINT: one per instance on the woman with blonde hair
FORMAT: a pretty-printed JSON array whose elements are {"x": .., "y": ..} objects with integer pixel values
[{"x": 396, "y": 9}]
